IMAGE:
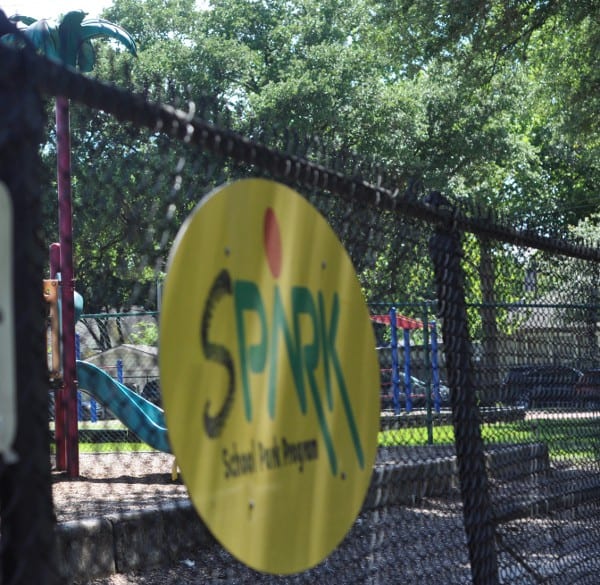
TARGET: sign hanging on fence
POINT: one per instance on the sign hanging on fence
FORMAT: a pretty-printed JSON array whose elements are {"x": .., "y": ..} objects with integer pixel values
[{"x": 269, "y": 375}]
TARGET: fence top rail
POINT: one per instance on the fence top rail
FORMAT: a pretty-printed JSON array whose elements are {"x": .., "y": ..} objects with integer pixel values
[
  {"x": 25, "y": 68},
  {"x": 119, "y": 315},
  {"x": 518, "y": 305}
]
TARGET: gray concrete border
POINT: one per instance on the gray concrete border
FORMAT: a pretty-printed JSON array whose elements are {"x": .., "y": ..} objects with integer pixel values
[{"x": 89, "y": 549}]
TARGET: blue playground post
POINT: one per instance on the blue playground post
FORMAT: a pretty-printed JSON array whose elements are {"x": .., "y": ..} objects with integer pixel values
[
  {"x": 394, "y": 347},
  {"x": 93, "y": 405},
  {"x": 77, "y": 354},
  {"x": 120, "y": 371},
  {"x": 93, "y": 410},
  {"x": 431, "y": 349}
]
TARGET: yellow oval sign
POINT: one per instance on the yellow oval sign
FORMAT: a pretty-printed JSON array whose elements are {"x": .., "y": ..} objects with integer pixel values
[{"x": 269, "y": 375}]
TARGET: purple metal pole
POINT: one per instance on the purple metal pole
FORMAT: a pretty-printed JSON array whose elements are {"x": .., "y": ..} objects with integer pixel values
[{"x": 65, "y": 229}]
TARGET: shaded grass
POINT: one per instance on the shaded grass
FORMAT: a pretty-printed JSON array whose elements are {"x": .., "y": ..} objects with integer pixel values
[
  {"x": 110, "y": 448},
  {"x": 567, "y": 438},
  {"x": 114, "y": 448},
  {"x": 111, "y": 425}
]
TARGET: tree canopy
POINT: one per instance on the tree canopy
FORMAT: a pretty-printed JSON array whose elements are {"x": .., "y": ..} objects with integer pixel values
[{"x": 494, "y": 103}]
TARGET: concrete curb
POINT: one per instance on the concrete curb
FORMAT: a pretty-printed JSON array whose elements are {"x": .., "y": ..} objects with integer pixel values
[
  {"x": 85, "y": 549},
  {"x": 89, "y": 549},
  {"x": 406, "y": 475}
]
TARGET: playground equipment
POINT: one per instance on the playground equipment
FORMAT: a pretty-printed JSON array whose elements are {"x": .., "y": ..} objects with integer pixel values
[
  {"x": 139, "y": 415},
  {"x": 52, "y": 295},
  {"x": 407, "y": 324},
  {"x": 65, "y": 306}
]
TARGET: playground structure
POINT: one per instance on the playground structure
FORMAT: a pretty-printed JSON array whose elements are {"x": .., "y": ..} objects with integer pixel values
[
  {"x": 395, "y": 322},
  {"x": 107, "y": 384},
  {"x": 142, "y": 417}
]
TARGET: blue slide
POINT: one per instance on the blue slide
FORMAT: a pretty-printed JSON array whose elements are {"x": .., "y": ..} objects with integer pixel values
[{"x": 145, "y": 419}]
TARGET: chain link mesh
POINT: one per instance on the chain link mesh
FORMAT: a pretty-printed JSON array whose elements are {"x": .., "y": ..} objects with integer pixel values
[{"x": 487, "y": 468}]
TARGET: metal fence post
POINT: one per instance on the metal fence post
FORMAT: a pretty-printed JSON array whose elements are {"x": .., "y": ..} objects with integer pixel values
[
  {"x": 446, "y": 254},
  {"x": 395, "y": 375},
  {"x": 26, "y": 539},
  {"x": 435, "y": 368},
  {"x": 407, "y": 369},
  {"x": 428, "y": 378}
]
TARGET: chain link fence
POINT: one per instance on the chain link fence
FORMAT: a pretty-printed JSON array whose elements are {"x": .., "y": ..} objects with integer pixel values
[{"x": 488, "y": 338}]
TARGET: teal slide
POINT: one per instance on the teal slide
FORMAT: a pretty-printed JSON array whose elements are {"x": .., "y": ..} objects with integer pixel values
[{"x": 145, "y": 419}]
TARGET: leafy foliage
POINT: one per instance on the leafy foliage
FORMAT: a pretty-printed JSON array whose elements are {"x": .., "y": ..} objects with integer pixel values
[{"x": 494, "y": 103}]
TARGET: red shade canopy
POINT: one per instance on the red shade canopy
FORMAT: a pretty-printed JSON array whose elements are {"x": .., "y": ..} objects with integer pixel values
[{"x": 402, "y": 322}]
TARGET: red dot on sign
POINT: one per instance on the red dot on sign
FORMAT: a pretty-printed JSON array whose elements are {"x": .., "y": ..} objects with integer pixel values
[{"x": 272, "y": 242}]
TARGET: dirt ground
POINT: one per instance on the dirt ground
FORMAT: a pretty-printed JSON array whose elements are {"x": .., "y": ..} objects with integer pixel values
[
  {"x": 122, "y": 482},
  {"x": 421, "y": 544},
  {"x": 113, "y": 483}
]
